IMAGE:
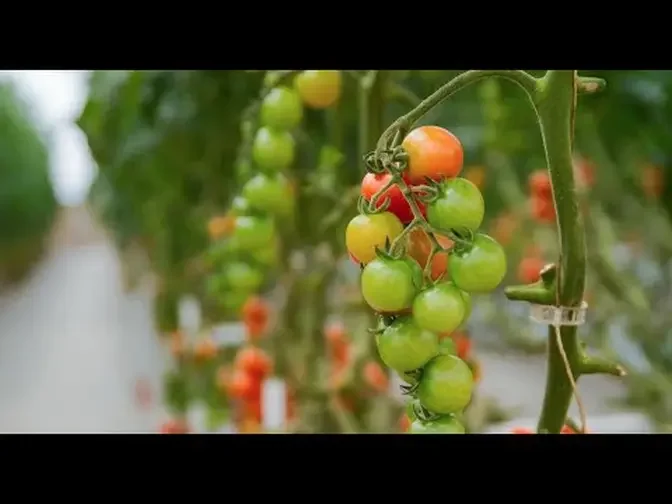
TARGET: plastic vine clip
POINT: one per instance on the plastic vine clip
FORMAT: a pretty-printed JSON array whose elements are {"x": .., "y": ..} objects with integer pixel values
[{"x": 559, "y": 316}]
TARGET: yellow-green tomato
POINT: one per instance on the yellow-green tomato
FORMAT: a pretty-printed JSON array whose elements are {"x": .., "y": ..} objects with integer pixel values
[
  {"x": 273, "y": 150},
  {"x": 281, "y": 109}
]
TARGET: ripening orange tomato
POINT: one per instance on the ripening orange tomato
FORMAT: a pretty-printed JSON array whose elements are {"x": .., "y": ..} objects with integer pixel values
[
  {"x": 433, "y": 152},
  {"x": 529, "y": 270},
  {"x": 220, "y": 226},
  {"x": 462, "y": 345},
  {"x": 243, "y": 386},
  {"x": 521, "y": 430},
  {"x": 375, "y": 377},
  {"x": 174, "y": 426},
  {"x": 419, "y": 248},
  {"x": 205, "y": 350}
]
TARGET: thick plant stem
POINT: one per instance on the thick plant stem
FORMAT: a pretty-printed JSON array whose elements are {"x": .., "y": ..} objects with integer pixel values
[{"x": 555, "y": 101}]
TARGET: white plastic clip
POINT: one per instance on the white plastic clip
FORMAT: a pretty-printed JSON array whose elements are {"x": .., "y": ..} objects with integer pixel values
[{"x": 559, "y": 315}]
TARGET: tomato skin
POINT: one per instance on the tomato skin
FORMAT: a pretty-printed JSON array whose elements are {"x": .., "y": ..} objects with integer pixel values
[
  {"x": 242, "y": 386},
  {"x": 529, "y": 270},
  {"x": 254, "y": 362},
  {"x": 366, "y": 232},
  {"x": 542, "y": 209},
  {"x": 273, "y": 150},
  {"x": 440, "y": 308},
  {"x": 253, "y": 233},
  {"x": 372, "y": 183},
  {"x": 540, "y": 185},
  {"x": 420, "y": 247},
  {"x": 270, "y": 194},
  {"x": 389, "y": 285},
  {"x": 521, "y": 430},
  {"x": 447, "y": 424},
  {"x": 481, "y": 268},
  {"x": 242, "y": 277},
  {"x": 281, "y": 109},
  {"x": 447, "y": 346},
  {"x": 466, "y": 297},
  {"x": 319, "y": 89},
  {"x": 404, "y": 346},
  {"x": 460, "y": 205},
  {"x": 433, "y": 152},
  {"x": 446, "y": 385}
]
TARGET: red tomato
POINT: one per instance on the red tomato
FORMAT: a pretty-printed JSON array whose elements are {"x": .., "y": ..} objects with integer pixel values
[
  {"x": 529, "y": 270},
  {"x": 372, "y": 183},
  {"x": 540, "y": 183},
  {"x": 253, "y": 361},
  {"x": 243, "y": 386},
  {"x": 521, "y": 430},
  {"x": 433, "y": 152},
  {"x": 542, "y": 209},
  {"x": 174, "y": 427}
]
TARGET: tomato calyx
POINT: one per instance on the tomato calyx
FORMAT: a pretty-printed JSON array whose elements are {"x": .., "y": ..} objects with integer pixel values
[
  {"x": 415, "y": 377},
  {"x": 423, "y": 414}
]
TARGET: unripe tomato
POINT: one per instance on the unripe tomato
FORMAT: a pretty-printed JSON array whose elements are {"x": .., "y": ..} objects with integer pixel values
[
  {"x": 253, "y": 233},
  {"x": 459, "y": 205},
  {"x": 319, "y": 89},
  {"x": 269, "y": 193},
  {"x": 420, "y": 247},
  {"x": 529, "y": 270},
  {"x": 273, "y": 150},
  {"x": 404, "y": 346},
  {"x": 446, "y": 385},
  {"x": 447, "y": 346},
  {"x": 242, "y": 277},
  {"x": 366, "y": 232},
  {"x": 389, "y": 285},
  {"x": 439, "y": 308},
  {"x": 433, "y": 152},
  {"x": 447, "y": 424},
  {"x": 479, "y": 268},
  {"x": 466, "y": 297},
  {"x": 281, "y": 109},
  {"x": 268, "y": 257},
  {"x": 372, "y": 183}
]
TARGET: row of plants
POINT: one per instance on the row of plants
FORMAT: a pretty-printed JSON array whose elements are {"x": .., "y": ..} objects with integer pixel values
[{"x": 274, "y": 164}]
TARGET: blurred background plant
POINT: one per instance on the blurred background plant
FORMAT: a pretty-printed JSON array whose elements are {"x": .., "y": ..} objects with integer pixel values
[{"x": 175, "y": 152}]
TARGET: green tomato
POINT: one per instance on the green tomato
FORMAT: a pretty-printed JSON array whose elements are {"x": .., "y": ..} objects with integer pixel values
[
  {"x": 268, "y": 257},
  {"x": 269, "y": 193},
  {"x": 479, "y": 268},
  {"x": 232, "y": 302},
  {"x": 389, "y": 285},
  {"x": 215, "y": 286},
  {"x": 405, "y": 346},
  {"x": 440, "y": 308},
  {"x": 466, "y": 297},
  {"x": 240, "y": 206},
  {"x": 447, "y": 346},
  {"x": 281, "y": 109},
  {"x": 446, "y": 385},
  {"x": 459, "y": 206},
  {"x": 253, "y": 233},
  {"x": 273, "y": 150},
  {"x": 447, "y": 424},
  {"x": 242, "y": 277}
]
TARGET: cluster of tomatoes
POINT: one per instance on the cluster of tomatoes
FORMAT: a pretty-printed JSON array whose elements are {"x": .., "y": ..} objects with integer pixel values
[
  {"x": 251, "y": 245},
  {"x": 420, "y": 295}
]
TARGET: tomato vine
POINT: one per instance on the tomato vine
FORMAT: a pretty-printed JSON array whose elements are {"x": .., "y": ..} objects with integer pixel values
[{"x": 554, "y": 98}]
